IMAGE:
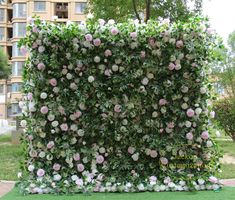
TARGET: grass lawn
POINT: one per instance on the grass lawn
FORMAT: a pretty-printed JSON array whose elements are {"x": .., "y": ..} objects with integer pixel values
[
  {"x": 227, "y": 147},
  {"x": 227, "y": 193}
]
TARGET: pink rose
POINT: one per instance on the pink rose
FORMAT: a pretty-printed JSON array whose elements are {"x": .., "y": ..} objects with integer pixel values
[
  {"x": 189, "y": 136},
  {"x": 171, "y": 125},
  {"x": 41, "y": 66},
  {"x": 171, "y": 66},
  {"x": 101, "y": 22},
  {"x": 153, "y": 153},
  {"x": 133, "y": 35},
  {"x": 213, "y": 179},
  {"x": 64, "y": 127},
  {"x": 162, "y": 102},
  {"x": 114, "y": 31},
  {"x": 167, "y": 180},
  {"x": 164, "y": 160},
  {"x": 35, "y": 29},
  {"x": 205, "y": 135},
  {"x": 190, "y": 112},
  {"x": 23, "y": 50},
  {"x": 50, "y": 144},
  {"x": 30, "y": 96},
  {"x": 56, "y": 167},
  {"x": 99, "y": 159},
  {"x": 117, "y": 108},
  {"x": 76, "y": 157},
  {"x": 44, "y": 110},
  {"x": 152, "y": 178},
  {"x": 97, "y": 42},
  {"x": 53, "y": 82},
  {"x": 179, "y": 44},
  {"x": 107, "y": 52},
  {"x": 151, "y": 42},
  {"x": 80, "y": 167},
  {"x": 107, "y": 72},
  {"x": 79, "y": 182},
  {"x": 88, "y": 37},
  {"x": 40, "y": 173},
  {"x": 131, "y": 150},
  {"x": 78, "y": 114}
]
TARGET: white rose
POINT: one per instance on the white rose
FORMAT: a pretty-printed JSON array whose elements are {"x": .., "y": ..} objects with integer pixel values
[
  {"x": 150, "y": 75},
  {"x": 218, "y": 134},
  {"x": 201, "y": 181},
  {"x": 163, "y": 110},
  {"x": 80, "y": 132},
  {"x": 74, "y": 177},
  {"x": 188, "y": 124},
  {"x": 97, "y": 59},
  {"x": 184, "y": 106},
  {"x": 51, "y": 117},
  {"x": 69, "y": 76},
  {"x": 74, "y": 127},
  {"x": 140, "y": 187},
  {"x": 209, "y": 144},
  {"x": 21, "y": 104},
  {"x": 135, "y": 156},
  {"x": 115, "y": 68},
  {"x": 56, "y": 89},
  {"x": 43, "y": 95},
  {"x": 23, "y": 123},
  {"x": 171, "y": 184},
  {"x": 102, "y": 150},
  {"x": 31, "y": 168},
  {"x": 145, "y": 81},
  {"x": 57, "y": 177},
  {"x": 55, "y": 123},
  {"x": 184, "y": 89},
  {"x": 91, "y": 79},
  {"x": 198, "y": 111},
  {"x": 154, "y": 114},
  {"x": 203, "y": 90},
  {"x": 32, "y": 107},
  {"x": 42, "y": 154}
]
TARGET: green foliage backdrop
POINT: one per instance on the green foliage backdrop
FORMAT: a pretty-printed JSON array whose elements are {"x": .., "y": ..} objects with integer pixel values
[{"x": 118, "y": 107}]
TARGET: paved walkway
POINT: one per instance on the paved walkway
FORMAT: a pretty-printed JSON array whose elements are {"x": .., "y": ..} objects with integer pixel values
[{"x": 7, "y": 186}]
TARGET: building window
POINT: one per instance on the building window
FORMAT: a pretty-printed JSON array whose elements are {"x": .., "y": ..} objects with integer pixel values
[
  {"x": 2, "y": 14},
  {"x": 16, "y": 50},
  {"x": 19, "y": 10},
  {"x": 61, "y": 10},
  {"x": 19, "y": 29},
  {"x": 17, "y": 68},
  {"x": 39, "y": 6},
  {"x": 2, "y": 33},
  {"x": 1, "y": 89},
  {"x": 14, "y": 109},
  {"x": 15, "y": 87},
  {"x": 80, "y": 7}
]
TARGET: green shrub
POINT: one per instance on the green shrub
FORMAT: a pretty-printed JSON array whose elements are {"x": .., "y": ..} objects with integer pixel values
[{"x": 225, "y": 115}]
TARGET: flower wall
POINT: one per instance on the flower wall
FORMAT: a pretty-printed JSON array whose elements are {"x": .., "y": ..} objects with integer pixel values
[{"x": 118, "y": 107}]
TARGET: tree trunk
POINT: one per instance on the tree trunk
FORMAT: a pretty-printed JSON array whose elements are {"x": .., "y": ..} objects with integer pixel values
[
  {"x": 233, "y": 137},
  {"x": 135, "y": 10},
  {"x": 148, "y": 8}
]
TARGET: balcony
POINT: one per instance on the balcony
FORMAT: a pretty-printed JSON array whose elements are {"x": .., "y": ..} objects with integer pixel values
[{"x": 61, "y": 10}]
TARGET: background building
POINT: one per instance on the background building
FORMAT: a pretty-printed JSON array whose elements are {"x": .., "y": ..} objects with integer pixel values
[{"x": 13, "y": 16}]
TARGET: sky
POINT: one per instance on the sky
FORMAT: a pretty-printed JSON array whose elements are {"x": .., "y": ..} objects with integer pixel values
[{"x": 222, "y": 16}]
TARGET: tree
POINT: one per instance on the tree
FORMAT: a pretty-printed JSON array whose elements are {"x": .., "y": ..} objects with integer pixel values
[
  {"x": 4, "y": 68},
  {"x": 225, "y": 107},
  {"x": 143, "y": 10}
]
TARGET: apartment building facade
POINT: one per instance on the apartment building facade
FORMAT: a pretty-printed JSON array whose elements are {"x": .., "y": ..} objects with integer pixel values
[{"x": 13, "y": 20}]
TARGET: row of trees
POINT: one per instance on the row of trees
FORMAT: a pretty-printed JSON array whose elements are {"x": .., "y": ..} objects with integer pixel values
[
  {"x": 4, "y": 68},
  {"x": 143, "y": 10}
]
